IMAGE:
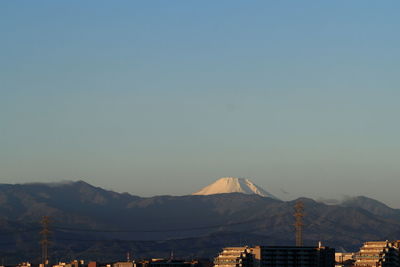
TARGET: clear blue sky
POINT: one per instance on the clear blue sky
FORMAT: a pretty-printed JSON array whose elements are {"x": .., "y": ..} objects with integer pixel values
[{"x": 164, "y": 97}]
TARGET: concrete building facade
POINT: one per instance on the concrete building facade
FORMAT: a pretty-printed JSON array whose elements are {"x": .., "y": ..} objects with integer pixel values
[
  {"x": 276, "y": 256},
  {"x": 287, "y": 256},
  {"x": 378, "y": 254},
  {"x": 234, "y": 257}
]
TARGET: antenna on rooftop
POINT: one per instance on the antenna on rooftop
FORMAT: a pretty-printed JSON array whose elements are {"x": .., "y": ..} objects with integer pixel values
[{"x": 299, "y": 214}]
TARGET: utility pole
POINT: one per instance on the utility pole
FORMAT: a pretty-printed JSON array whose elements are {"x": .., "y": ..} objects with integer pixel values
[
  {"x": 45, "y": 233},
  {"x": 299, "y": 214}
]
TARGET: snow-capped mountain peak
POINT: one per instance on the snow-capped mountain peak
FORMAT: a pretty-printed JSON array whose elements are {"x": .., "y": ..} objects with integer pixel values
[{"x": 233, "y": 185}]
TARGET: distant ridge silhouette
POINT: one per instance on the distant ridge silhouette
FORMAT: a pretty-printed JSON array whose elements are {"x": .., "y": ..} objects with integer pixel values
[{"x": 192, "y": 224}]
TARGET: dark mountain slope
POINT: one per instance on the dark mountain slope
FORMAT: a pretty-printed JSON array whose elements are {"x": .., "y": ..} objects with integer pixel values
[
  {"x": 88, "y": 220},
  {"x": 373, "y": 206}
]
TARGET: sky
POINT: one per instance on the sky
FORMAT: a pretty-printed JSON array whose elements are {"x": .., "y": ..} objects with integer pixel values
[{"x": 165, "y": 97}]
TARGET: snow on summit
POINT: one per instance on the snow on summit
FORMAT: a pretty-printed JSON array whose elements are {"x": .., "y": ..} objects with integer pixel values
[{"x": 233, "y": 185}]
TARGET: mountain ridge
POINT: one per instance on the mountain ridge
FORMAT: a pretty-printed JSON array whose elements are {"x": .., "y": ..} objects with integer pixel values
[{"x": 161, "y": 223}]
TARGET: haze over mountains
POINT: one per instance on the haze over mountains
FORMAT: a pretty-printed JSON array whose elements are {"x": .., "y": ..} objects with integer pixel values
[{"x": 92, "y": 223}]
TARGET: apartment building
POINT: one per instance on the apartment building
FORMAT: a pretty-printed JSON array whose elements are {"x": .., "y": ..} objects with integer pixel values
[
  {"x": 378, "y": 254},
  {"x": 276, "y": 256},
  {"x": 234, "y": 257},
  {"x": 293, "y": 256}
]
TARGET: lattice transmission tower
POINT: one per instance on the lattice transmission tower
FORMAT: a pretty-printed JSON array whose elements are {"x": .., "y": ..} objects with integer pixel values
[
  {"x": 299, "y": 214},
  {"x": 45, "y": 234}
]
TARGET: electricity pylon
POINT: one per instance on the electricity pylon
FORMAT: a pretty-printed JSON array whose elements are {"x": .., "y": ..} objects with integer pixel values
[
  {"x": 299, "y": 214},
  {"x": 45, "y": 233}
]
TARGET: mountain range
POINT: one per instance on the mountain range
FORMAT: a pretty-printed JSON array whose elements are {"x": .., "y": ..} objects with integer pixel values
[{"x": 91, "y": 223}]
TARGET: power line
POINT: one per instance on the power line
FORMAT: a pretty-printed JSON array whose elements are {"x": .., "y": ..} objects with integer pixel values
[
  {"x": 20, "y": 231},
  {"x": 45, "y": 233},
  {"x": 130, "y": 240},
  {"x": 63, "y": 228},
  {"x": 149, "y": 241},
  {"x": 11, "y": 243},
  {"x": 156, "y": 230}
]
